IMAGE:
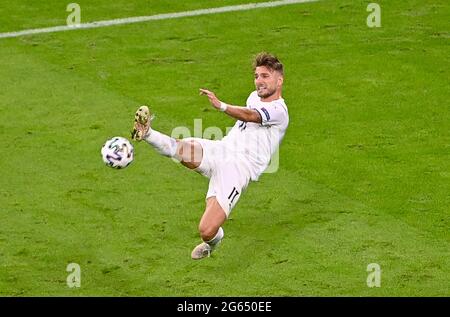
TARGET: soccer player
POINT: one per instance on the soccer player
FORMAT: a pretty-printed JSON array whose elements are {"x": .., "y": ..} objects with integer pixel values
[{"x": 242, "y": 155}]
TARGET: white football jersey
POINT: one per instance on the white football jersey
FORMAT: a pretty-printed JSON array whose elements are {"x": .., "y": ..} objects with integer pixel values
[{"x": 254, "y": 143}]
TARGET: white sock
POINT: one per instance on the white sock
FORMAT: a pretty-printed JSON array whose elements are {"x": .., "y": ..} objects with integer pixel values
[
  {"x": 214, "y": 241},
  {"x": 164, "y": 144}
]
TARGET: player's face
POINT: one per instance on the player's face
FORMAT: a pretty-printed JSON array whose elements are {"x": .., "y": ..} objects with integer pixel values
[{"x": 267, "y": 81}]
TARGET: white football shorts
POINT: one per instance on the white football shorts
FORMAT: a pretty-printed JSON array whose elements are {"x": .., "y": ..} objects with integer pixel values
[{"x": 228, "y": 176}]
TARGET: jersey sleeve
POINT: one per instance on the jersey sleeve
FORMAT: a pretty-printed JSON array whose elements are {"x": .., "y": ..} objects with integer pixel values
[{"x": 272, "y": 114}]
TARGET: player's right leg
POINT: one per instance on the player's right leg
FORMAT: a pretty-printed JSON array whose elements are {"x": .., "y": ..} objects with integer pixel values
[{"x": 188, "y": 152}]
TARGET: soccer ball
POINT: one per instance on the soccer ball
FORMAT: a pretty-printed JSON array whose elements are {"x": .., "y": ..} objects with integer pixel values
[{"x": 117, "y": 152}]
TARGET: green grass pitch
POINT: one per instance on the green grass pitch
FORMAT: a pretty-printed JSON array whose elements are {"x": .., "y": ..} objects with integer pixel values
[{"x": 364, "y": 171}]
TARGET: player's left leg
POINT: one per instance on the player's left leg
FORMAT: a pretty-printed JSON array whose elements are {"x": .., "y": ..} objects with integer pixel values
[
  {"x": 210, "y": 228},
  {"x": 226, "y": 185}
]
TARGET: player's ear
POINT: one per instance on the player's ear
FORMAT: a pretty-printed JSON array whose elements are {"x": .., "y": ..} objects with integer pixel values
[{"x": 280, "y": 80}]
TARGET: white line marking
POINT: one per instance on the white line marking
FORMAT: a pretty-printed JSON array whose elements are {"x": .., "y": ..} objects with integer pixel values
[{"x": 175, "y": 15}]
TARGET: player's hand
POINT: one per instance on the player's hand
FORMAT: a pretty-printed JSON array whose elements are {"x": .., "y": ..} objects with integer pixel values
[{"x": 211, "y": 96}]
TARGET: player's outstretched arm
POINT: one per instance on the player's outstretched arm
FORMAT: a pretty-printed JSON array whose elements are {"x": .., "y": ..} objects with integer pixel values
[{"x": 240, "y": 113}]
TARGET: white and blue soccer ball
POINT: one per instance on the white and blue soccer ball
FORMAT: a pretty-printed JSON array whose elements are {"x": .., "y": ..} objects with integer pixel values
[{"x": 117, "y": 152}]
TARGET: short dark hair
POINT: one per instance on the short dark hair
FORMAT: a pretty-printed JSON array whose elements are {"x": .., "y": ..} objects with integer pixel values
[{"x": 268, "y": 60}]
